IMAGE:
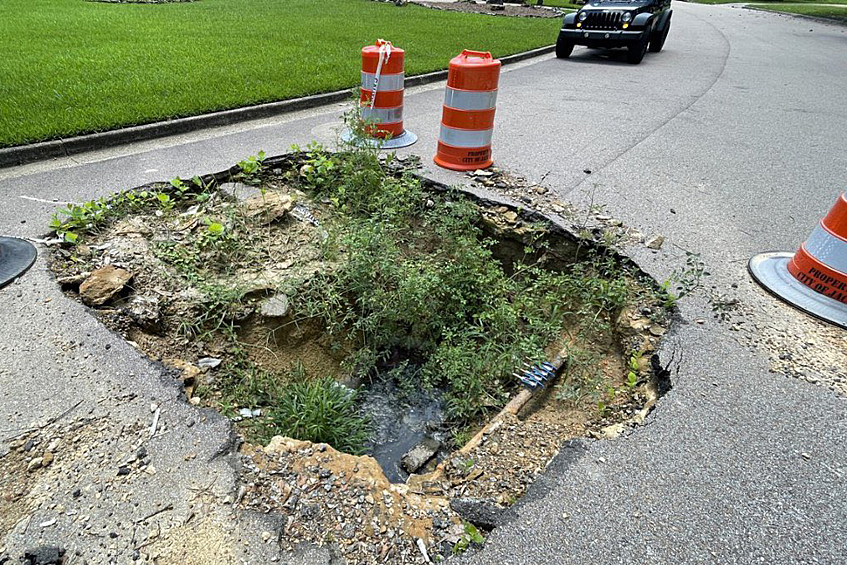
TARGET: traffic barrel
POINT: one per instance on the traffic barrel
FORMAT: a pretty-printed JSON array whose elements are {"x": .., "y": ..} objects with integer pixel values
[
  {"x": 815, "y": 278},
  {"x": 381, "y": 94},
  {"x": 467, "y": 119}
]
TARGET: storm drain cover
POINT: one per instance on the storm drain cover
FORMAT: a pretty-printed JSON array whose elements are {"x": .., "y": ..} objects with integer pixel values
[{"x": 16, "y": 256}]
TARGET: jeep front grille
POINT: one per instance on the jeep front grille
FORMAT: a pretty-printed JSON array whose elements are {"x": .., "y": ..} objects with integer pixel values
[{"x": 602, "y": 20}]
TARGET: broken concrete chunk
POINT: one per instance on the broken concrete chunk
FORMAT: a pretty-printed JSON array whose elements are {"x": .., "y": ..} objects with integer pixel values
[
  {"x": 276, "y": 306},
  {"x": 103, "y": 284},
  {"x": 268, "y": 207},
  {"x": 418, "y": 456}
]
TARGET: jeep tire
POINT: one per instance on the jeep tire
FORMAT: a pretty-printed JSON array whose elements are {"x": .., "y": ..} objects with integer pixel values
[
  {"x": 657, "y": 38},
  {"x": 564, "y": 48},
  {"x": 635, "y": 51}
]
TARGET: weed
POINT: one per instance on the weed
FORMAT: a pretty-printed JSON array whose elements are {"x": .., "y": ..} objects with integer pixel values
[
  {"x": 75, "y": 220},
  {"x": 633, "y": 367},
  {"x": 321, "y": 411},
  {"x": 250, "y": 168},
  {"x": 471, "y": 535},
  {"x": 686, "y": 280}
]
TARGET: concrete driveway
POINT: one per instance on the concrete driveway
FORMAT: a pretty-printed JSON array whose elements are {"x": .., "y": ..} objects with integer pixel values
[{"x": 728, "y": 142}]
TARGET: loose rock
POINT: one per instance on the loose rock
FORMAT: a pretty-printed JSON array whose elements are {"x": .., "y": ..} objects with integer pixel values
[
  {"x": 276, "y": 306},
  {"x": 103, "y": 285},
  {"x": 655, "y": 242},
  {"x": 145, "y": 311},
  {"x": 418, "y": 456},
  {"x": 44, "y": 555},
  {"x": 268, "y": 207},
  {"x": 239, "y": 190}
]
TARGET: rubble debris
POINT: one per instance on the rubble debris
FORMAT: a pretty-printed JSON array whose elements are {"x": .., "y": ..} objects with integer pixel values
[{"x": 207, "y": 363}]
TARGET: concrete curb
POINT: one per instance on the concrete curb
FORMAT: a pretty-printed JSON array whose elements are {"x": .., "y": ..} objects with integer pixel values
[{"x": 22, "y": 154}]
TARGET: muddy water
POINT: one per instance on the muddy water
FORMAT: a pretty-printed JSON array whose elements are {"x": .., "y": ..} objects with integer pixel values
[{"x": 400, "y": 422}]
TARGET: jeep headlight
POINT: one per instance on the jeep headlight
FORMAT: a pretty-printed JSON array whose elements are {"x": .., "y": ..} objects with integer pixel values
[
  {"x": 583, "y": 16},
  {"x": 626, "y": 17}
]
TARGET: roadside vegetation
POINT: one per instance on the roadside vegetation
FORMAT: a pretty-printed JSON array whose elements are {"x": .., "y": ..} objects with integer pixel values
[
  {"x": 74, "y": 67},
  {"x": 777, "y": 5}
]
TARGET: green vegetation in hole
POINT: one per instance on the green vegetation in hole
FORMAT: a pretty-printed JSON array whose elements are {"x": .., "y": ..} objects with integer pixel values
[
  {"x": 418, "y": 276},
  {"x": 413, "y": 273},
  {"x": 320, "y": 410},
  {"x": 73, "y": 67}
]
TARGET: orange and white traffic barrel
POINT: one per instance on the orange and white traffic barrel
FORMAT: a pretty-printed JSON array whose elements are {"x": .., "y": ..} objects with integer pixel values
[
  {"x": 815, "y": 278},
  {"x": 381, "y": 94},
  {"x": 467, "y": 119}
]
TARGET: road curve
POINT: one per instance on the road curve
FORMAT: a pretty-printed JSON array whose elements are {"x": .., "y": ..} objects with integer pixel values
[{"x": 728, "y": 143}]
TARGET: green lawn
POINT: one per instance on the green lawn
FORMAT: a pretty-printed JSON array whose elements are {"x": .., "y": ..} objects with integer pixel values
[
  {"x": 561, "y": 4},
  {"x": 832, "y": 12},
  {"x": 71, "y": 67},
  {"x": 769, "y": 2}
]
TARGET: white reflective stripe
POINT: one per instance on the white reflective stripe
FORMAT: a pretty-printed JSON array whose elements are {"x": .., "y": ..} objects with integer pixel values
[
  {"x": 828, "y": 249},
  {"x": 386, "y": 82},
  {"x": 465, "y": 137},
  {"x": 383, "y": 115},
  {"x": 470, "y": 99}
]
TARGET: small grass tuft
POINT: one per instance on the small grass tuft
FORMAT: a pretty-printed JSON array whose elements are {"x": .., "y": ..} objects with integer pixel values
[{"x": 321, "y": 411}]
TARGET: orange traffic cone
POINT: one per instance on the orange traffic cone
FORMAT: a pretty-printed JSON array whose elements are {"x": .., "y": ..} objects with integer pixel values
[
  {"x": 815, "y": 278},
  {"x": 381, "y": 94},
  {"x": 467, "y": 120}
]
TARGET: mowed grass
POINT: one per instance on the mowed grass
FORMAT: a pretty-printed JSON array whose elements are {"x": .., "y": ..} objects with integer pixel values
[
  {"x": 838, "y": 13},
  {"x": 770, "y": 2},
  {"x": 71, "y": 67},
  {"x": 560, "y": 4}
]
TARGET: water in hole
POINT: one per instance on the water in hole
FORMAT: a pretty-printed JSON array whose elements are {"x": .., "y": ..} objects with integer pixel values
[{"x": 401, "y": 420}]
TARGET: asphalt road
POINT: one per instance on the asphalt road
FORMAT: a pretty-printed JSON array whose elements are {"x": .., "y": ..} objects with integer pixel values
[{"x": 729, "y": 142}]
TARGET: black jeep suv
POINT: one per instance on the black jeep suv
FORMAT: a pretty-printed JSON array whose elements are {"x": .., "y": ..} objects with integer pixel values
[{"x": 635, "y": 24}]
